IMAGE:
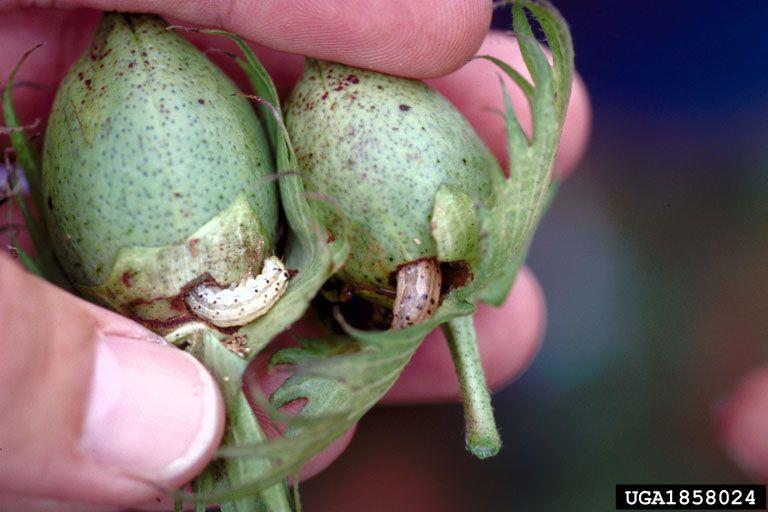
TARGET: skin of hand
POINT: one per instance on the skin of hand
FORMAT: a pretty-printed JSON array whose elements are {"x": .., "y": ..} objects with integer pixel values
[
  {"x": 741, "y": 422},
  {"x": 99, "y": 413}
]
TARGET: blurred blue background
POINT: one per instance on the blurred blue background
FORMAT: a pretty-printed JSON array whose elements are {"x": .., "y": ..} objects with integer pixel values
[{"x": 653, "y": 262}]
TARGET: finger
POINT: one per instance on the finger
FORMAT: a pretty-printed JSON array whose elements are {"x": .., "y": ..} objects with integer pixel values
[
  {"x": 475, "y": 90},
  {"x": 742, "y": 424},
  {"x": 96, "y": 409},
  {"x": 508, "y": 338},
  {"x": 418, "y": 39}
]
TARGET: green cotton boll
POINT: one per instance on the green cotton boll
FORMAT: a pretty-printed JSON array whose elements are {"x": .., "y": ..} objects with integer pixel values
[
  {"x": 155, "y": 173},
  {"x": 379, "y": 148}
]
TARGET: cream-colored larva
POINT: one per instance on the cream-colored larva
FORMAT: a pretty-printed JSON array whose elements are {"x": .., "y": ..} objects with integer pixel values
[{"x": 240, "y": 302}]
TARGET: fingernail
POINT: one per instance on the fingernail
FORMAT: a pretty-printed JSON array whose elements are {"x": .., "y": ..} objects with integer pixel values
[{"x": 153, "y": 411}]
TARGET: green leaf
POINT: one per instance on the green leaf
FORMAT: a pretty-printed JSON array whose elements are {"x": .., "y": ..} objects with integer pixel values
[
  {"x": 497, "y": 291},
  {"x": 512, "y": 221},
  {"x": 341, "y": 386},
  {"x": 515, "y": 75}
]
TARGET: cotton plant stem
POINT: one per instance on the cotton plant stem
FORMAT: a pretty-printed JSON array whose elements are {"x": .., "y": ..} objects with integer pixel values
[
  {"x": 242, "y": 427},
  {"x": 482, "y": 437}
]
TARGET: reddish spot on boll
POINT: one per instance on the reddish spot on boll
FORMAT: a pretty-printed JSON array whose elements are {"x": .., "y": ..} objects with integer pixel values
[
  {"x": 126, "y": 279},
  {"x": 192, "y": 245}
]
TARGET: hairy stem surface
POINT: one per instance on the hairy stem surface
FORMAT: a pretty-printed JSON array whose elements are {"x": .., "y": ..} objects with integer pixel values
[{"x": 481, "y": 435}]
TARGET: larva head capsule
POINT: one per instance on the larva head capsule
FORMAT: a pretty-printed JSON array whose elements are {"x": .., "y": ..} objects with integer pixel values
[{"x": 156, "y": 175}]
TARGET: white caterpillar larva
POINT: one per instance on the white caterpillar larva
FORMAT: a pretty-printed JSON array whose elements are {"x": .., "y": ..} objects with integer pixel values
[{"x": 240, "y": 302}]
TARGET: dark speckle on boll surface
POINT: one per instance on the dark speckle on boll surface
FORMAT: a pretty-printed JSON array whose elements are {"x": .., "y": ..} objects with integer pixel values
[
  {"x": 381, "y": 146},
  {"x": 138, "y": 153}
]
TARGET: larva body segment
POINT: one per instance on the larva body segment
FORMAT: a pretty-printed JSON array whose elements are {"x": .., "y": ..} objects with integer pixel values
[{"x": 242, "y": 302}]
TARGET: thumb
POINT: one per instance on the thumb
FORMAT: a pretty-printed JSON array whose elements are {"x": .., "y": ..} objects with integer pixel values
[{"x": 95, "y": 409}]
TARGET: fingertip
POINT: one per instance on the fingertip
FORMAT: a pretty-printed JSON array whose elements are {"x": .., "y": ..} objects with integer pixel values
[
  {"x": 154, "y": 412},
  {"x": 452, "y": 34},
  {"x": 401, "y": 37},
  {"x": 133, "y": 415},
  {"x": 508, "y": 337}
]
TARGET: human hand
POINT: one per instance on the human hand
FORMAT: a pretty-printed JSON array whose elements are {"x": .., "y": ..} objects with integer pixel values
[{"x": 74, "y": 366}]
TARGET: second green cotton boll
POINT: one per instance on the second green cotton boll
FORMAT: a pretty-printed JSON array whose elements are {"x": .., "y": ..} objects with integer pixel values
[
  {"x": 155, "y": 174},
  {"x": 379, "y": 147}
]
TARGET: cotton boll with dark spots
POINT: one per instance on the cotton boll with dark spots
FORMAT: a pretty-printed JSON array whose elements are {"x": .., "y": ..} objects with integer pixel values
[
  {"x": 157, "y": 175},
  {"x": 381, "y": 147},
  {"x": 146, "y": 143}
]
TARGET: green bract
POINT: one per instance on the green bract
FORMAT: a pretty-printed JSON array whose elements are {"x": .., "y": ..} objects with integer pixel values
[
  {"x": 381, "y": 147},
  {"x": 155, "y": 173}
]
